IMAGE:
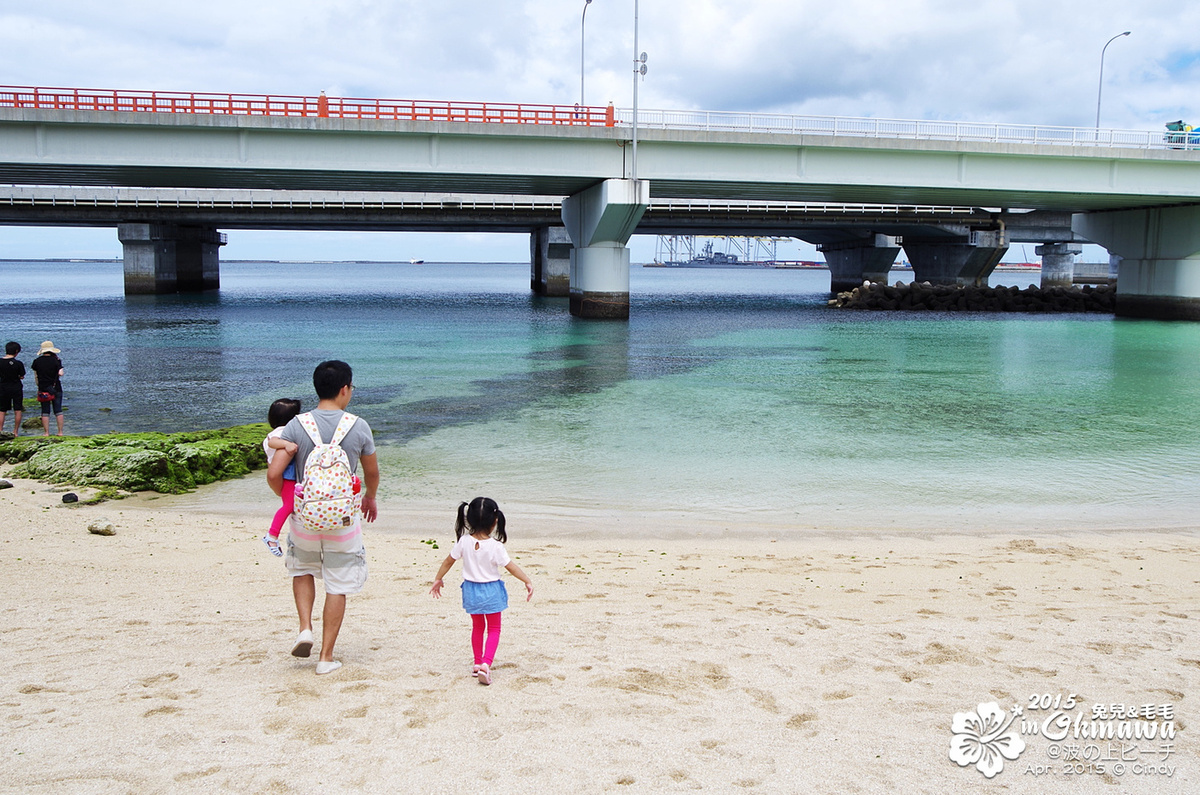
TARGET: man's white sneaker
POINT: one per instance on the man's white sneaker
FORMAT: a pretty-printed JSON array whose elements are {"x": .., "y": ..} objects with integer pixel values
[{"x": 304, "y": 644}]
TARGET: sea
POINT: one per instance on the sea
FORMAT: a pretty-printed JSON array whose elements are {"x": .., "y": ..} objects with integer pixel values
[{"x": 733, "y": 395}]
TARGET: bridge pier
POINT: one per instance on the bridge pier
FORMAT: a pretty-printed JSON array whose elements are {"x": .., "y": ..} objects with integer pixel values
[
  {"x": 1159, "y": 272},
  {"x": 550, "y": 261},
  {"x": 958, "y": 262},
  {"x": 852, "y": 262},
  {"x": 1058, "y": 263},
  {"x": 168, "y": 258},
  {"x": 600, "y": 221}
]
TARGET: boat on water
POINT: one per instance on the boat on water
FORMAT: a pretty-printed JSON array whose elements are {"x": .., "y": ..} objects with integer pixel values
[
  {"x": 707, "y": 258},
  {"x": 416, "y": 262}
]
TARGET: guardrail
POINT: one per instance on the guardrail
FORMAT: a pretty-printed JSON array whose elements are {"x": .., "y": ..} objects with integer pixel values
[
  {"x": 913, "y": 129},
  {"x": 570, "y": 115},
  {"x": 283, "y": 105},
  {"x": 166, "y": 198},
  {"x": 89, "y": 197}
]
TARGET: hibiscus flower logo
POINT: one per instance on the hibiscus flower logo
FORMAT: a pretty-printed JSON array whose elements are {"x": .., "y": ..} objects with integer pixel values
[{"x": 982, "y": 738}]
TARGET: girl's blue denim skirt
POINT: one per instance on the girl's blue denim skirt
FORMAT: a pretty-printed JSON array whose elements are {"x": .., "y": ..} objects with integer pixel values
[{"x": 484, "y": 598}]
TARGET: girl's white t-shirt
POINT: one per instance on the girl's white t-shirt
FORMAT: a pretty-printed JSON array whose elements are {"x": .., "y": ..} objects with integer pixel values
[
  {"x": 270, "y": 451},
  {"x": 481, "y": 559}
]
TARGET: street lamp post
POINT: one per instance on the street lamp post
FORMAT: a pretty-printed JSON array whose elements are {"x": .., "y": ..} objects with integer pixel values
[
  {"x": 639, "y": 70},
  {"x": 1100, "y": 90},
  {"x": 582, "y": 22}
]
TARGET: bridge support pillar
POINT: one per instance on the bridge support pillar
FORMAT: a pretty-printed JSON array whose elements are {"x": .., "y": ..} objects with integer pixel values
[
  {"x": 957, "y": 262},
  {"x": 1159, "y": 271},
  {"x": 166, "y": 258},
  {"x": 600, "y": 221},
  {"x": 1058, "y": 263},
  {"x": 853, "y": 262},
  {"x": 550, "y": 261}
]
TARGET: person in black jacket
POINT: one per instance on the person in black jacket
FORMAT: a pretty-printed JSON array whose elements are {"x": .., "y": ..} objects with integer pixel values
[
  {"x": 12, "y": 391},
  {"x": 49, "y": 369}
]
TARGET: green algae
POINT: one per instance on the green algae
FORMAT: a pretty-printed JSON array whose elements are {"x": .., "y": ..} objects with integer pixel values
[{"x": 167, "y": 463}]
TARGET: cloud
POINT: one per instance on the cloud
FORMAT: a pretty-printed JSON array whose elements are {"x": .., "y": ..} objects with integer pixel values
[{"x": 1009, "y": 60}]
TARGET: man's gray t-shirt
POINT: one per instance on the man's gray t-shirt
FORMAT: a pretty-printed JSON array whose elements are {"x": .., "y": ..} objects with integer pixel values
[{"x": 357, "y": 443}]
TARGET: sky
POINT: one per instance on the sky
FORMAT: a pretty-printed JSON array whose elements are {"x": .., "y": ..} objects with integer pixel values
[{"x": 1018, "y": 61}]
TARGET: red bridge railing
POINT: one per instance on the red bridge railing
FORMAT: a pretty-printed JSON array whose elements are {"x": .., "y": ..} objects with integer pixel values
[{"x": 320, "y": 106}]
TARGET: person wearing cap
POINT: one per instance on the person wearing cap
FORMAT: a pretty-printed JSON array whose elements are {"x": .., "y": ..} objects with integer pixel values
[{"x": 49, "y": 370}]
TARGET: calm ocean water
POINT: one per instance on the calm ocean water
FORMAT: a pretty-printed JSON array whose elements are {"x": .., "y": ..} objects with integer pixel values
[{"x": 735, "y": 394}]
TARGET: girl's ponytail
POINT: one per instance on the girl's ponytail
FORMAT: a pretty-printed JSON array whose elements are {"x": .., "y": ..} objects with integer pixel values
[
  {"x": 501, "y": 536},
  {"x": 461, "y": 525}
]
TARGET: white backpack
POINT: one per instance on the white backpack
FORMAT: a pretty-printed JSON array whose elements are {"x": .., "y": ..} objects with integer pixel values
[{"x": 325, "y": 496}]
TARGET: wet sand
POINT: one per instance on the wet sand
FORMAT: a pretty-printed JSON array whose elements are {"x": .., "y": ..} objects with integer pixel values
[{"x": 674, "y": 659}]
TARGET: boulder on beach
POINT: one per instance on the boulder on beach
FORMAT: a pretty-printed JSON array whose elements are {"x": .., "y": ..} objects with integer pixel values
[{"x": 974, "y": 298}]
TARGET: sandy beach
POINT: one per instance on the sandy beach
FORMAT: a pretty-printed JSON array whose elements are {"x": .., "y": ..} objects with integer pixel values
[{"x": 674, "y": 659}]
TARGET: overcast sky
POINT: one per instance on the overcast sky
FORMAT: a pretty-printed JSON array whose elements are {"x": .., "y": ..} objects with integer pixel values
[{"x": 1034, "y": 62}]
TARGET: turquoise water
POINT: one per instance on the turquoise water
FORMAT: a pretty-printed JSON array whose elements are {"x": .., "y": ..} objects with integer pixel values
[{"x": 735, "y": 395}]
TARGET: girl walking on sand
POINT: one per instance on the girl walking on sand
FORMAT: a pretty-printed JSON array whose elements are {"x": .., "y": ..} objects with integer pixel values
[{"x": 480, "y": 545}]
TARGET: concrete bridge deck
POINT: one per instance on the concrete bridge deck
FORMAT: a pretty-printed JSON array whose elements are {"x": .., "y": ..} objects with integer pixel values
[{"x": 60, "y": 147}]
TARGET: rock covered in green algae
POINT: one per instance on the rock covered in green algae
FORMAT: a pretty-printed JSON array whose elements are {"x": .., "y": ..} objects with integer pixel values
[{"x": 166, "y": 463}]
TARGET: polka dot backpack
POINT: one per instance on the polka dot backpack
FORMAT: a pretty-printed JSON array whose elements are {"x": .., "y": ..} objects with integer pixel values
[{"x": 326, "y": 500}]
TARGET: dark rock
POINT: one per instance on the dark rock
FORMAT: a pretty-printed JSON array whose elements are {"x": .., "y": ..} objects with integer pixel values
[
  {"x": 70, "y": 496},
  {"x": 4, "y": 484},
  {"x": 976, "y": 298},
  {"x": 167, "y": 463}
]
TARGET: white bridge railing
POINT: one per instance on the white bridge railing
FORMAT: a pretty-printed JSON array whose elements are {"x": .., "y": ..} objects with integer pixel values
[{"x": 727, "y": 121}]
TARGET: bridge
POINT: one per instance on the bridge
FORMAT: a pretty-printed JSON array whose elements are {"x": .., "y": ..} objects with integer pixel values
[{"x": 1135, "y": 192}]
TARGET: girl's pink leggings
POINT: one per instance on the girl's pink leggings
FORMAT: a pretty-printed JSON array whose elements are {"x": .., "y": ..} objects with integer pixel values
[
  {"x": 485, "y": 653},
  {"x": 288, "y": 494}
]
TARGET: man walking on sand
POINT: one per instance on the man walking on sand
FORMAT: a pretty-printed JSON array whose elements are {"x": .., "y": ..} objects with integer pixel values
[{"x": 338, "y": 558}]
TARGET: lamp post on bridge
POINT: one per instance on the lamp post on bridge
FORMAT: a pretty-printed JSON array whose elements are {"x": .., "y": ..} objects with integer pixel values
[
  {"x": 639, "y": 69},
  {"x": 582, "y": 22},
  {"x": 1100, "y": 90}
]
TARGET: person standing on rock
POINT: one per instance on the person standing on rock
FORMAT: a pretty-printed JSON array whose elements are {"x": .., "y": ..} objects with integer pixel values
[
  {"x": 12, "y": 392},
  {"x": 49, "y": 369}
]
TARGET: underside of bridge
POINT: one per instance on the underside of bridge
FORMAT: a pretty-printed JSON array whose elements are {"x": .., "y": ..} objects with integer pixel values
[{"x": 587, "y": 259}]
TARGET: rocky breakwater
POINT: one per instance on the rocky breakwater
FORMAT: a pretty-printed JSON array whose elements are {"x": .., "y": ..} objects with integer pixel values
[
  {"x": 923, "y": 296},
  {"x": 126, "y": 462}
]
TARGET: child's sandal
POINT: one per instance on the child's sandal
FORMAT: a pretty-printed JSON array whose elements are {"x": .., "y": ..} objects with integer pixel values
[{"x": 484, "y": 675}]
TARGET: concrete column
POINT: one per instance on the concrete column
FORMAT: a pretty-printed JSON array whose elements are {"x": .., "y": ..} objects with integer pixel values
[
  {"x": 1159, "y": 271},
  {"x": 600, "y": 221},
  {"x": 854, "y": 261},
  {"x": 166, "y": 258},
  {"x": 1058, "y": 263},
  {"x": 550, "y": 261},
  {"x": 149, "y": 260},
  {"x": 956, "y": 262}
]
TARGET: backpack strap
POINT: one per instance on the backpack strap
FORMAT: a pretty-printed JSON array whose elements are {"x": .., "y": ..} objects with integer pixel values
[
  {"x": 339, "y": 433},
  {"x": 310, "y": 427},
  {"x": 343, "y": 427}
]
